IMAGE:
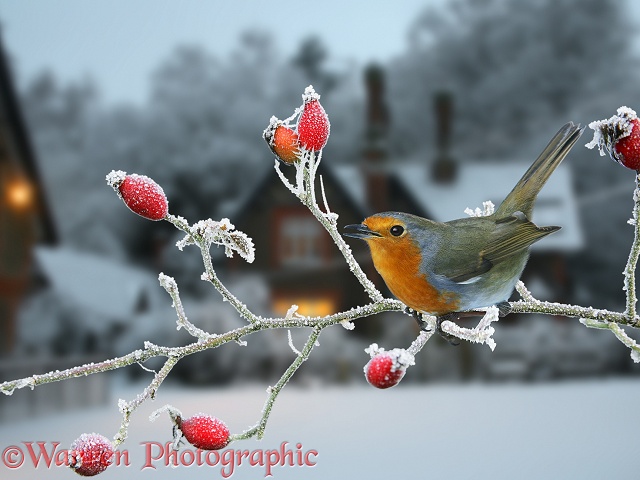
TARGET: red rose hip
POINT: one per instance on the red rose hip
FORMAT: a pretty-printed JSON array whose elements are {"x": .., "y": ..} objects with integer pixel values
[
  {"x": 386, "y": 369},
  {"x": 90, "y": 454},
  {"x": 141, "y": 194},
  {"x": 313, "y": 126},
  {"x": 627, "y": 149},
  {"x": 204, "y": 431},
  {"x": 282, "y": 141},
  {"x": 619, "y": 136}
]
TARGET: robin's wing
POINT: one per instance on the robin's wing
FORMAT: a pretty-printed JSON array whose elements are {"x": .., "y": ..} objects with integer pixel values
[
  {"x": 514, "y": 235},
  {"x": 475, "y": 246}
]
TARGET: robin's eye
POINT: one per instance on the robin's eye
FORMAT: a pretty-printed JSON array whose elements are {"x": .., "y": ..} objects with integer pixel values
[{"x": 396, "y": 230}]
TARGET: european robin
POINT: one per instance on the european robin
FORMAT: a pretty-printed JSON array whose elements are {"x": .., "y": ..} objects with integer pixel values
[{"x": 458, "y": 266}]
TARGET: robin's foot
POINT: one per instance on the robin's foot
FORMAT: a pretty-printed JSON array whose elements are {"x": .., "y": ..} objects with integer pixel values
[
  {"x": 418, "y": 316},
  {"x": 504, "y": 309},
  {"x": 452, "y": 317}
]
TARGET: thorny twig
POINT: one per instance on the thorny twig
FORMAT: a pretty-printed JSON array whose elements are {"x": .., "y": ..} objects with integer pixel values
[{"x": 204, "y": 234}]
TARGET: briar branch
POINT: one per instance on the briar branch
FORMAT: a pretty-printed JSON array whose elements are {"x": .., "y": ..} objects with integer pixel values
[
  {"x": 203, "y": 235},
  {"x": 206, "y": 233}
]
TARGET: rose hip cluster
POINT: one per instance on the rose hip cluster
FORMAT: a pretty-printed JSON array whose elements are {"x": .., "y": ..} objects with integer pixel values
[
  {"x": 91, "y": 453},
  {"x": 289, "y": 142}
]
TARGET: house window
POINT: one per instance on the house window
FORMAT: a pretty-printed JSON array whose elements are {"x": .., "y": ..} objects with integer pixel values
[
  {"x": 300, "y": 241},
  {"x": 312, "y": 304}
]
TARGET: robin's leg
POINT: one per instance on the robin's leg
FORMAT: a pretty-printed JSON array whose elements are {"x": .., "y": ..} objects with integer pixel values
[
  {"x": 418, "y": 316},
  {"x": 452, "y": 317}
]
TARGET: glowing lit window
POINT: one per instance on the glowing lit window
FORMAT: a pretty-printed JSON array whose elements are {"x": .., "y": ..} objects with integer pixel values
[{"x": 312, "y": 306}]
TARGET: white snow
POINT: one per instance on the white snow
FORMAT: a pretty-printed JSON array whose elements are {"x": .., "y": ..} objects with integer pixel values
[
  {"x": 459, "y": 431},
  {"x": 95, "y": 283}
]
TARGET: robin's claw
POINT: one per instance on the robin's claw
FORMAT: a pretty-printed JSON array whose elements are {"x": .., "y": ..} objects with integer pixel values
[{"x": 418, "y": 316}]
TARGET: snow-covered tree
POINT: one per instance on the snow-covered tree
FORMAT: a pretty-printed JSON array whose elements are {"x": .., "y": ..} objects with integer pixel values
[{"x": 511, "y": 67}]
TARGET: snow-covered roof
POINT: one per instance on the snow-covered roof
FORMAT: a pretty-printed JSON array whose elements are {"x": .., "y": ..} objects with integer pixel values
[
  {"x": 95, "y": 283},
  {"x": 478, "y": 182}
]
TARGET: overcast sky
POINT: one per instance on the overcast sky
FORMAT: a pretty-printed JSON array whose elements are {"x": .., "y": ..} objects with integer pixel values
[{"x": 119, "y": 42}]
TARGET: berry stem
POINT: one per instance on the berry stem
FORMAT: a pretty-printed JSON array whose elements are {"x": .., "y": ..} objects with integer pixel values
[
  {"x": 210, "y": 274},
  {"x": 170, "y": 285},
  {"x": 127, "y": 408},
  {"x": 303, "y": 355},
  {"x": 630, "y": 270},
  {"x": 307, "y": 169}
]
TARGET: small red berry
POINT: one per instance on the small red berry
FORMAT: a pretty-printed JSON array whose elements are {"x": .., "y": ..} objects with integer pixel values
[
  {"x": 313, "y": 126},
  {"x": 620, "y": 137},
  {"x": 204, "y": 432},
  {"x": 141, "y": 194},
  {"x": 627, "y": 149},
  {"x": 90, "y": 454},
  {"x": 386, "y": 369},
  {"x": 283, "y": 141}
]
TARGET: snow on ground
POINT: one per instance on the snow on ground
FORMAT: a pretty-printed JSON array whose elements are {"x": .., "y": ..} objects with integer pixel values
[{"x": 457, "y": 431}]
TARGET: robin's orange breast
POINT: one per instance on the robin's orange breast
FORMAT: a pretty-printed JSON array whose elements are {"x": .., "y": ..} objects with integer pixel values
[{"x": 398, "y": 263}]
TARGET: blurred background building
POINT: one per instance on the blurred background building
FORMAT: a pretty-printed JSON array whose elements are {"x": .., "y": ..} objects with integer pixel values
[{"x": 452, "y": 120}]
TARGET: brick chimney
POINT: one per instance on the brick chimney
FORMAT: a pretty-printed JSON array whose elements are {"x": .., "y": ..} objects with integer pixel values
[
  {"x": 444, "y": 168},
  {"x": 375, "y": 151}
]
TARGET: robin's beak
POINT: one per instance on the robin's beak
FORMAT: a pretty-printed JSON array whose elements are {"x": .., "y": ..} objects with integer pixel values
[{"x": 360, "y": 231}]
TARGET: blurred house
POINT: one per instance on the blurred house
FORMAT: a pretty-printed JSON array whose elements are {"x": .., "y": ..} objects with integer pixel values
[
  {"x": 25, "y": 218},
  {"x": 26, "y": 221},
  {"x": 301, "y": 266}
]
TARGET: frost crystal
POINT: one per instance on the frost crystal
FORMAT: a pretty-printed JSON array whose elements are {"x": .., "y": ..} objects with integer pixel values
[
  {"x": 293, "y": 311},
  {"x": 482, "y": 333},
  {"x": 115, "y": 178},
  {"x": 487, "y": 209},
  {"x": 170, "y": 409},
  {"x": 347, "y": 324},
  {"x": 608, "y": 131},
  {"x": 310, "y": 94},
  {"x": 373, "y": 350},
  {"x": 291, "y": 345},
  {"x": 401, "y": 357},
  {"x": 221, "y": 233},
  {"x": 167, "y": 282},
  {"x": 24, "y": 382}
]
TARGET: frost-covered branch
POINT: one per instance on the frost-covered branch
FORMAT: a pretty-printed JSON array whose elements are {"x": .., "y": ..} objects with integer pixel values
[
  {"x": 298, "y": 141},
  {"x": 482, "y": 333},
  {"x": 632, "y": 262},
  {"x": 302, "y": 356}
]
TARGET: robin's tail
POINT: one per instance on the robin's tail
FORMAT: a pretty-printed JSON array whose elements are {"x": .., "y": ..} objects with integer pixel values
[{"x": 524, "y": 194}]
